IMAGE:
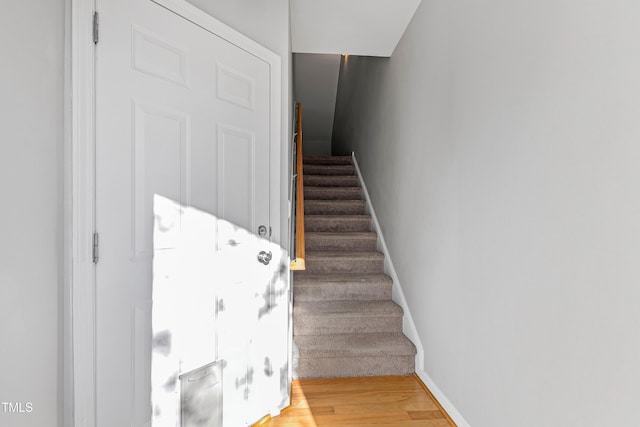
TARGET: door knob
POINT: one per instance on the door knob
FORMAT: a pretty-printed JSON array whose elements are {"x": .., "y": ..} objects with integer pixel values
[{"x": 264, "y": 257}]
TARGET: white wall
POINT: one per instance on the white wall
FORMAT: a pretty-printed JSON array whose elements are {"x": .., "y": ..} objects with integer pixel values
[
  {"x": 315, "y": 79},
  {"x": 31, "y": 107},
  {"x": 500, "y": 147},
  {"x": 265, "y": 21},
  {"x": 356, "y": 27}
]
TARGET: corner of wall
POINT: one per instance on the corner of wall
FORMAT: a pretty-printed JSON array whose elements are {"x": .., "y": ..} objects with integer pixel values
[
  {"x": 408, "y": 325},
  {"x": 446, "y": 404}
]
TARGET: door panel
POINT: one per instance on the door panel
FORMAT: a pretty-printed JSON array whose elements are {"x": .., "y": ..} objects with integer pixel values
[
  {"x": 158, "y": 57},
  {"x": 182, "y": 176},
  {"x": 160, "y": 153},
  {"x": 236, "y": 160}
]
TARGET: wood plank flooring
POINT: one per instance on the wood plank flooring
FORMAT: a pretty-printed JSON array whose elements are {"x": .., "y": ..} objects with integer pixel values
[{"x": 364, "y": 401}]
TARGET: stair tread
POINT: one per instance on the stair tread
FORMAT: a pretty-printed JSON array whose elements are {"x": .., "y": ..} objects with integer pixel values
[
  {"x": 338, "y": 202},
  {"x": 344, "y": 262},
  {"x": 341, "y": 286},
  {"x": 330, "y": 193},
  {"x": 318, "y": 189},
  {"x": 354, "y": 345},
  {"x": 341, "y": 241},
  {"x": 345, "y": 254},
  {"x": 337, "y": 223},
  {"x": 343, "y": 234},
  {"x": 330, "y": 177},
  {"x": 303, "y": 278},
  {"x": 331, "y": 181},
  {"x": 344, "y": 309},
  {"x": 328, "y": 165},
  {"x": 335, "y": 207},
  {"x": 327, "y": 160},
  {"x": 329, "y": 169},
  {"x": 346, "y": 217},
  {"x": 323, "y": 188}
]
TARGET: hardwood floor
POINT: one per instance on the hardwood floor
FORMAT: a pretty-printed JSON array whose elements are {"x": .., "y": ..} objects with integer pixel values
[{"x": 363, "y": 401}]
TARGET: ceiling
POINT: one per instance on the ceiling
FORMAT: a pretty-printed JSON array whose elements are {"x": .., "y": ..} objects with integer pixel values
[{"x": 355, "y": 27}]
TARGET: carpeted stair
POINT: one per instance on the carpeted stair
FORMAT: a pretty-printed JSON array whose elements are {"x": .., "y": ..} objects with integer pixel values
[{"x": 344, "y": 321}]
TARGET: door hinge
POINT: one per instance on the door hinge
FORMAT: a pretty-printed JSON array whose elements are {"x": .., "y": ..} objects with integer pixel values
[
  {"x": 96, "y": 243},
  {"x": 96, "y": 24}
]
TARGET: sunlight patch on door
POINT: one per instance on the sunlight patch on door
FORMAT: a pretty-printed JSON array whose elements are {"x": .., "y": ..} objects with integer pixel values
[{"x": 215, "y": 303}]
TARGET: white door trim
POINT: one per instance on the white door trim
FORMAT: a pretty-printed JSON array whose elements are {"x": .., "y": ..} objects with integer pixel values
[
  {"x": 82, "y": 280},
  {"x": 82, "y": 165}
]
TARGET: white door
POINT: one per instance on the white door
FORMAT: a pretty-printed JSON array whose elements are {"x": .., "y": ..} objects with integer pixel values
[{"x": 182, "y": 186}]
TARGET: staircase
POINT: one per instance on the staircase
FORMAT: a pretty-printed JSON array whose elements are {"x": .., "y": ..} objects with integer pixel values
[{"x": 344, "y": 321}]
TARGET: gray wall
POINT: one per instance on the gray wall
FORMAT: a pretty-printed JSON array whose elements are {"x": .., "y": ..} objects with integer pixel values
[
  {"x": 315, "y": 80},
  {"x": 500, "y": 145},
  {"x": 31, "y": 156}
]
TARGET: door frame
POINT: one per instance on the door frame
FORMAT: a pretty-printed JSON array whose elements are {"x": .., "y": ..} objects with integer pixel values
[{"x": 82, "y": 274}]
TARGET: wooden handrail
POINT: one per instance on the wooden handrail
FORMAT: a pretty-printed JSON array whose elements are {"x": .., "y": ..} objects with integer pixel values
[{"x": 299, "y": 263}]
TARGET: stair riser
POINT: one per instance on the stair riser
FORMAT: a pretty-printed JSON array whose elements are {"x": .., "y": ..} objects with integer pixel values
[
  {"x": 332, "y": 193},
  {"x": 321, "y": 243},
  {"x": 327, "y": 325},
  {"x": 331, "y": 181},
  {"x": 329, "y": 170},
  {"x": 368, "y": 366},
  {"x": 332, "y": 224},
  {"x": 327, "y": 160},
  {"x": 345, "y": 207},
  {"x": 337, "y": 265},
  {"x": 341, "y": 291}
]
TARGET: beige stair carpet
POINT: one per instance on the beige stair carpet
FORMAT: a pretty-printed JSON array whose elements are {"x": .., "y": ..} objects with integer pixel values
[{"x": 345, "y": 323}]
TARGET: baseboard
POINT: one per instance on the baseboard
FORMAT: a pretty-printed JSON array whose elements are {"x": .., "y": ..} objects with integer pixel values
[
  {"x": 262, "y": 421},
  {"x": 450, "y": 410},
  {"x": 408, "y": 325}
]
